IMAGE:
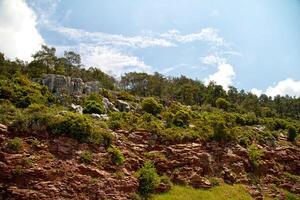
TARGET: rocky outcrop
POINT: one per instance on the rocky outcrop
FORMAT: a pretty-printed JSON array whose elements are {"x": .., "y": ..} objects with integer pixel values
[
  {"x": 123, "y": 106},
  {"x": 53, "y": 169},
  {"x": 109, "y": 106},
  {"x": 59, "y": 84}
]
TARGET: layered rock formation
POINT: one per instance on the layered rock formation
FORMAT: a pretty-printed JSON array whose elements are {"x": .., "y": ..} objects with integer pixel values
[
  {"x": 64, "y": 84},
  {"x": 52, "y": 169}
]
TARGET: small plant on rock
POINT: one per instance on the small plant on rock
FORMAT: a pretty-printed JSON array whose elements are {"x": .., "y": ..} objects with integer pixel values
[
  {"x": 15, "y": 144},
  {"x": 255, "y": 155},
  {"x": 116, "y": 155},
  {"x": 86, "y": 157}
]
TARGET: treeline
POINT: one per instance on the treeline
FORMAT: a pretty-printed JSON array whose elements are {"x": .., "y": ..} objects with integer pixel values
[
  {"x": 195, "y": 93},
  {"x": 182, "y": 89},
  {"x": 45, "y": 61}
]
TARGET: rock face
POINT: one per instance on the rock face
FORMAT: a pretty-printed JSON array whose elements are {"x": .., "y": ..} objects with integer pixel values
[
  {"x": 109, "y": 106},
  {"x": 123, "y": 106},
  {"x": 54, "y": 169},
  {"x": 73, "y": 86}
]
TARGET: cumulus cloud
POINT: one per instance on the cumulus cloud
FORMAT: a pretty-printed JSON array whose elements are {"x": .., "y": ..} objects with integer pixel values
[
  {"x": 110, "y": 60},
  {"x": 285, "y": 87},
  {"x": 224, "y": 74},
  {"x": 19, "y": 35},
  {"x": 256, "y": 91}
]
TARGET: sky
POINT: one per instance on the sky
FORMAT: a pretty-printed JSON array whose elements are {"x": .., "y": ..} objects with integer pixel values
[{"x": 249, "y": 44}]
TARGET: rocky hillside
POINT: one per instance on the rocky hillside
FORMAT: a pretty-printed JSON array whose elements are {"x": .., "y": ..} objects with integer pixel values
[
  {"x": 62, "y": 138},
  {"x": 47, "y": 167}
]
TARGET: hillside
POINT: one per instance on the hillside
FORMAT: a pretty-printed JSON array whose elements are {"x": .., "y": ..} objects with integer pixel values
[{"x": 67, "y": 132}]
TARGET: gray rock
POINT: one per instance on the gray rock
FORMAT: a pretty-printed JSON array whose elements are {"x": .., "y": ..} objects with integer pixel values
[
  {"x": 59, "y": 84},
  {"x": 109, "y": 106},
  {"x": 123, "y": 106},
  {"x": 77, "y": 108},
  {"x": 102, "y": 116}
]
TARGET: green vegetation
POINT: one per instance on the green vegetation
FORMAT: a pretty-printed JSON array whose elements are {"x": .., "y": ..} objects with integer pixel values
[
  {"x": 223, "y": 192},
  {"x": 15, "y": 144},
  {"x": 292, "y": 134},
  {"x": 255, "y": 155},
  {"x": 148, "y": 179},
  {"x": 116, "y": 155},
  {"x": 86, "y": 156},
  {"x": 150, "y": 105},
  {"x": 92, "y": 106}
]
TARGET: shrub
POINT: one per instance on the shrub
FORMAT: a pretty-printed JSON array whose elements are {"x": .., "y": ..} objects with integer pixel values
[
  {"x": 92, "y": 106},
  {"x": 148, "y": 179},
  {"x": 255, "y": 155},
  {"x": 134, "y": 196},
  {"x": 101, "y": 136},
  {"x": 15, "y": 144},
  {"x": 150, "y": 105},
  {"x": 222, "y": 104},
  {"x": 86, "y": 157},
  {"x": 123, "y": 95},
  {"x": 74, "y": 125},
  {"x": 22, "y": 92},
  {"x": 220, "y": 132},
  {"x": 292, "y": 133},
  {"x": 181, "y": 118},
  {"x": 116, "y": 155}
]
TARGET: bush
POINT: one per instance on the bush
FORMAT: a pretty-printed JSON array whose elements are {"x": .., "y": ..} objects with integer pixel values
[
  {"x": 74, "y": 125},
  {"x": 123, "y": 95},
  {"x": 220, "y": 132},
  {"x": 255, "y": 155},
  {"x": 15, "y": 144},
  {"x": 222, "y": 104},
  {"x": 150, "y": 105},
  {"x": 22, "y": 92},
  {"x": 92, "y": 106},
  {"x": 181, "y": 118},
  {"x": 101, "y": 136},
  {"x": 116, "y": 155},
  {"x": 292, "y": 134},
  {"x": 148, "y": 179},
  {"x": 86, "y": 157}
]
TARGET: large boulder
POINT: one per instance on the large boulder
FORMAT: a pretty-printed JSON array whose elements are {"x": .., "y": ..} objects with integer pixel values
[
  {"x": 123, "y": 106},
  {"x": 109, "y": 106}
]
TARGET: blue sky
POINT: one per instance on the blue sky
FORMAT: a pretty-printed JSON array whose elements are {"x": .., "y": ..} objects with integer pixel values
[{"x": 250, "y": 44}]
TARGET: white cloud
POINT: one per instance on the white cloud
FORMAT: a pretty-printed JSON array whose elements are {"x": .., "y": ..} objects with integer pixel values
[
  {"x": 225, "y": 73},
  {"x": 256, "y": 91},
  {"x": 213, "y": 60},
  {"x": 19, "y": 35},
  {"x": 205, "y": 35},
  {"x": 286, "y": 87},
  {"x": 109, "y": 60},
  {"x": 110, "y": 39}
]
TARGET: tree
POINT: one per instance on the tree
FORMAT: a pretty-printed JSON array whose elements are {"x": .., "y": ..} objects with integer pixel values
[{"x": 44, "y": 61}]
